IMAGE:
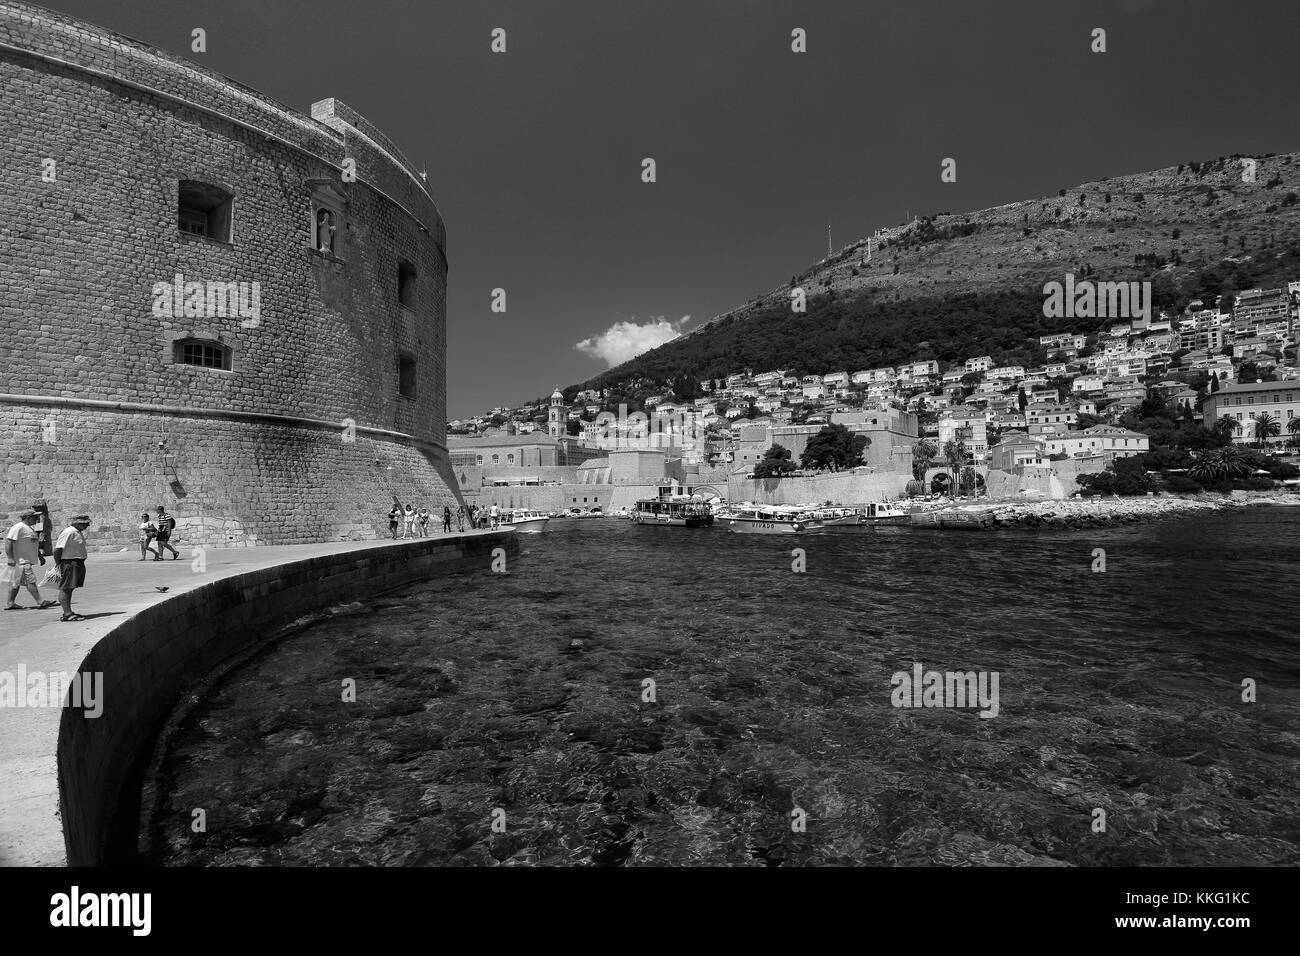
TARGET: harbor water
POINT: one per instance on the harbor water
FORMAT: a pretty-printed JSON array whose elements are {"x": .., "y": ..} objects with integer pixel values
[{"x": 627, "y": 695}]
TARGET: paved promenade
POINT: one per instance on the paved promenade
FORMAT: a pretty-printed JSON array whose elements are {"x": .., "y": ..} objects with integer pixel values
[{"x": 36, "y": 642}]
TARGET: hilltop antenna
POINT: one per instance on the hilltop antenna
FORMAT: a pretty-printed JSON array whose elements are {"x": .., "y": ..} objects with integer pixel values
[{"x": 829, "y": 248}]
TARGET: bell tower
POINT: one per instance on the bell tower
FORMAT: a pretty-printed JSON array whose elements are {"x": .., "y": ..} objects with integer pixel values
[{"x": 557, "y": 415}]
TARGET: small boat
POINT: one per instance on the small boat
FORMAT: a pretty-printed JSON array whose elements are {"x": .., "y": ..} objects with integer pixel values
[
  {"x": 524, "y": 521},
  {"x": 682, "y": 511},
  {"x": 772, "y": 519},
  {"x": 863, "y": 519}
]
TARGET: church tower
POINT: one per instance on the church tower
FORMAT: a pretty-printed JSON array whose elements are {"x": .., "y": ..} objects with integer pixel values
[{"x": 557, "y": 415}]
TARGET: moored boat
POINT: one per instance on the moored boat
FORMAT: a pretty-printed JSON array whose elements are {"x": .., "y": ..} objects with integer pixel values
[
  {"x": 525, "y": 521},
  {"x": 772, "y": 519},
  {"x": 682, "y": 511}
]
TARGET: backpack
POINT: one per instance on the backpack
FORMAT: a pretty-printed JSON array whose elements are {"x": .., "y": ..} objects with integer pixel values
[{"x": 167, "y": 524}]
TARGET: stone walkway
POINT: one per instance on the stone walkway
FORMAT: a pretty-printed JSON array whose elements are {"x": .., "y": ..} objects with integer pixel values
[{"x": 36, "y": 642}]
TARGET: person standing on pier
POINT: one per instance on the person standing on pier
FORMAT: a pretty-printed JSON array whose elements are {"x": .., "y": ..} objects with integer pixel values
[
  {"x": 446, "y": 519},
  {"x": 22, "y": 548},
  {"x": 70, "y": 556},
  {"x": 460, "y": 518},
  {"x": 394, "y": 516},
  {"x": 408, "y": 522},
  {"x": 424, "y": 515},
  {"x": 496, "y": 515}
]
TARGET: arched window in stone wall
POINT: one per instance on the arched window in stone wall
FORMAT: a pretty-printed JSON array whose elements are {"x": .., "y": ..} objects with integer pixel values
[
  {"x": 510, "y": 459},
  {"x": 205, "y": 210},
  {"x": 327, "y": 205},
  {"x": 203, "y": 353},
  {"x": 496, "y": 459}
]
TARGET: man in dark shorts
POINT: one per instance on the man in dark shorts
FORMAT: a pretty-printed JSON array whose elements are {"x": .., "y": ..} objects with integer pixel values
[
  {"x": 166, "y": 524},
  {"x": 394, "y": 516},
  {"x": 70, "y": 556}
]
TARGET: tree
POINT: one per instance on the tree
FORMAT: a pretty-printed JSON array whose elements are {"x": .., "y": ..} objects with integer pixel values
[
  {"x": 1226, "y": 427},
  {"x": 923, "y": 453},
  {"x": 1293, "y": 426},
  {"x": 1022, "y": 399},
  {"x": 574, "y": 427},
  {"x": 956, "y": 454},
  {"x": 1124, "y": 476},
  {"x": 776, "y": 462},
  {"x": 1266, "y": 426},
  {"x": 834, "y": 447},
  {"x": 1214, "y": 382},
  {"x": 1218, "y": 465}
]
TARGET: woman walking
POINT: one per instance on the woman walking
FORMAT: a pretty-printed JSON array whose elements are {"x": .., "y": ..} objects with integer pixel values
[
  {"x": 408, "y": 522},
  {"x": 148, "y": 531},
  {"x": 460, "y": 518}
]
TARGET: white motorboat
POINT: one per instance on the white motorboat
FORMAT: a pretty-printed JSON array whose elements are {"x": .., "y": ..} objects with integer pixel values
[
  {"x": 525, "y": 521},
  {"x": 683, "y": 511},
  {"x": 771, "y": 519}
]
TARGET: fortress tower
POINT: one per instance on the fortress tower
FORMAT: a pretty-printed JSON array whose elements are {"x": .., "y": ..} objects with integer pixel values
[{"x": 208, "y": 300}]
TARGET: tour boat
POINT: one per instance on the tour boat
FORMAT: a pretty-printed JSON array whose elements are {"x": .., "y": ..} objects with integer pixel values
[
  {"x": 772, "y": 519},
  {"x": 525, "y": 522},
  {"x": 681, "y": 511},
  {"x": 863, "y": 519}
]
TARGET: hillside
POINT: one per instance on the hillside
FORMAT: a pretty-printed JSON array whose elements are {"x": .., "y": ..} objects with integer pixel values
[{"x": 950, "y": 286}]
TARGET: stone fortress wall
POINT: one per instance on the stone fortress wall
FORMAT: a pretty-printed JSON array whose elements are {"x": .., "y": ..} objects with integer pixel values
[{"x": 97, "y": 411}]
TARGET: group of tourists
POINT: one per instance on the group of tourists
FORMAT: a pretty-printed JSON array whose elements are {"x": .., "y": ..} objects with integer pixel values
[
  {"x": 408, "y": 521},
  {"x": 23, "y": 553},
  {"x": 159, "y": 531}
]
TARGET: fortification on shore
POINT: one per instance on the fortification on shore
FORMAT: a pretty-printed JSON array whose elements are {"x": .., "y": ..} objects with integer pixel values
[{"x": 209, "y": 301}]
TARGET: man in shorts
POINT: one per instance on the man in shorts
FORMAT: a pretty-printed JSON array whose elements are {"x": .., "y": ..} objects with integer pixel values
[
  {"x": 166, "y": 525},
  {"x": 70, "y": 554},
  {"x": 22, "y": 552}
]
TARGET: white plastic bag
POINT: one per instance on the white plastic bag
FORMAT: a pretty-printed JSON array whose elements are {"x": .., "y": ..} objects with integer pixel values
[{"x": 52, "y": 576}]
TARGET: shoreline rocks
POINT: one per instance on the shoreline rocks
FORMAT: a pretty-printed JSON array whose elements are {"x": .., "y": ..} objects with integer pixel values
[{"x": 1070, "y": 513}]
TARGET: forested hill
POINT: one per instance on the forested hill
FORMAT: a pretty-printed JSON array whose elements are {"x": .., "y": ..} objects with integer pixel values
[{"x": 953, "y": 286}]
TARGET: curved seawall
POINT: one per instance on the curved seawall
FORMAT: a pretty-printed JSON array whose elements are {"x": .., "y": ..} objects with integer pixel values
[{"x": 86, "y": 772}]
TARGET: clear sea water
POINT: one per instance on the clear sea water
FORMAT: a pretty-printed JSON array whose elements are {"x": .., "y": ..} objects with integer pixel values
[{"x": 517, "y": 699}]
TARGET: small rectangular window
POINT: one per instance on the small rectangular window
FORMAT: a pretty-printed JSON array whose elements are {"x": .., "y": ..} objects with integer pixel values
[
  {"x": 406, "y": 375},
  {"x": 204, "y": 210},
  {"x": 406, "y": 284}
]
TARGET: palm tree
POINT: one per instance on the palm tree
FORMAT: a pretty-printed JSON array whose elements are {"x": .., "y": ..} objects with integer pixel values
[
  {"x": 1267, "y": 426},
  {"x": 955, "y": 452},
  {"x": 1293, "y": 426},
  {"x": 1226, "y": 427},
  {"x": 923, "y": 453},
  {"x": 1218, "y": 464}
]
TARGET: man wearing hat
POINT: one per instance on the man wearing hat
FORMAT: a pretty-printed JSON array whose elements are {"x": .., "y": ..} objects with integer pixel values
[
  {"x": 22, "y": 551},
  {"x": 70, "y": 553}
]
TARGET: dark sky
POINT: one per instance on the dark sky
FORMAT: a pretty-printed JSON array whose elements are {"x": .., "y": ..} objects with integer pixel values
[{"x": 534, "y": 156}]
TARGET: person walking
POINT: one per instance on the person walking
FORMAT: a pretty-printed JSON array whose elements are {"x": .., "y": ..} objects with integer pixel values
[
  {"x": 70, "y": 556},
  {"x": 424, "y": 515},
  {"x": 22, "y": 550},
  {"x": 446, "y": 520},
  {"x": 148, "y": 531},
  {"x": 164, "y": 536},
  {"x": 496, "y": 514},
  {"x": 408, "y": 522},
  {"x": 460, "y": 518},
  {"x": 394, "y": 516}
]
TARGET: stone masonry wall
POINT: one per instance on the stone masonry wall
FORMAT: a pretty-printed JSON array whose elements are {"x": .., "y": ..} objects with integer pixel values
[
  {"x": 124, "y": 123},
  {"x": 238, "y": 484}
]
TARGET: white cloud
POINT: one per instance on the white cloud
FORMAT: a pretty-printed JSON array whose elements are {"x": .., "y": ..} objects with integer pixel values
[{"x": 626, "y": 340}]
